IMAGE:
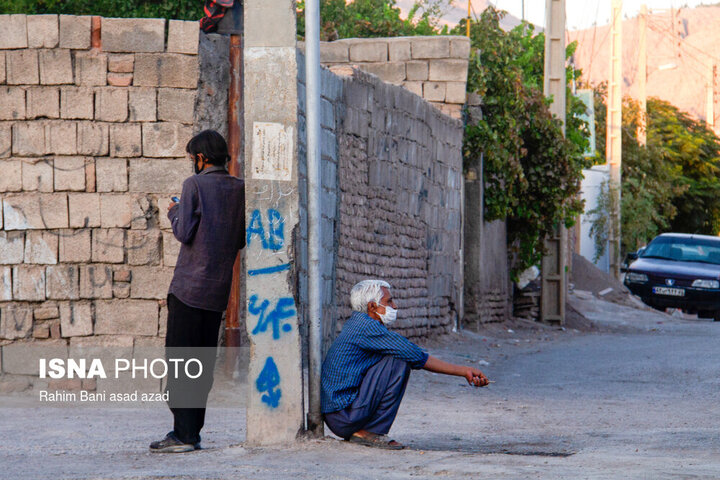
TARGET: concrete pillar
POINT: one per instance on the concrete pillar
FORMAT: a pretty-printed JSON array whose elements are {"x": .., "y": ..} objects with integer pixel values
[{"x": 275, "y": 404}]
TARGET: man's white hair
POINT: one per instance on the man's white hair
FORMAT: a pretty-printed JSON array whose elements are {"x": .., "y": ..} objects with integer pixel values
[{"x": 365, "y": 292}]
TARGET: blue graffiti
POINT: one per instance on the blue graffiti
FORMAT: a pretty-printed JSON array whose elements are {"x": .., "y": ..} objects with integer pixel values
[
  {"x": 267, "y": 270},
  {"x": 283, "y": 309},
  {"x": 268, "y": 380},
  {"x": 275, "y": 238}
]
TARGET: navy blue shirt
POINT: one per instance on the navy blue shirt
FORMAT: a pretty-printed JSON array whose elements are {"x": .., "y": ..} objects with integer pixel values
[
  {"x": 209, "y": 222},
  {"x": 362, "y": 343}
]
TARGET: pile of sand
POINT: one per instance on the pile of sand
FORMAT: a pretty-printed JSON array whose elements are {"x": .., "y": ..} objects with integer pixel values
[{"x": 587, "y": 277}]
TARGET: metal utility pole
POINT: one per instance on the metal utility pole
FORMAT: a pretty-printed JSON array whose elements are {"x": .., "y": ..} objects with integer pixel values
[
  {"x": 312, "y": 77},
  {"x": 554, "y": 276},
  {"x": 710, "y": 91},
  {"x": 613, "y": 145},
  {"x": 523, "y": 10},
  {"x": 642, "y": 76}
]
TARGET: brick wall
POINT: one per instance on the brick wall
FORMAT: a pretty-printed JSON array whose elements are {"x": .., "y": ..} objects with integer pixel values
[
  {"x": 391, "y": 175},
  {"x": 92, "y": 146},
  {"x": 434, "y": 68}
]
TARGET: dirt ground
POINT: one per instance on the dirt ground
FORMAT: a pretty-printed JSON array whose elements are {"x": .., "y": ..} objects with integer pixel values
[{"x": 633, "y": 397}]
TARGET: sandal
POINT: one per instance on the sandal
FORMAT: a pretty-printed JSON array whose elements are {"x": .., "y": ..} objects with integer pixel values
[{"x": 376, "y": 441}]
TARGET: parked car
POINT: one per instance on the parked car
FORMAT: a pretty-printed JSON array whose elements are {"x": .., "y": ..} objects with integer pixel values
[{"x": 678, "y": 270}]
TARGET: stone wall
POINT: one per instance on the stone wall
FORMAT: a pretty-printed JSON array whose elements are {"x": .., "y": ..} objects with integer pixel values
[
  {"x": 93, "y": 130},
  {"x": 434, "y": 68},
  {"x": 391, "y": 174}
]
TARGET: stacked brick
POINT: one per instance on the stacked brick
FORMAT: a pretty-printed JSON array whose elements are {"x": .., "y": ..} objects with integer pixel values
[
  {"x": 434, "y": 68},
  {"x": 92, "y": 145}
]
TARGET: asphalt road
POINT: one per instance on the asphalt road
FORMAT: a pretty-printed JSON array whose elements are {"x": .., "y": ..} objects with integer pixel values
[{"x": 639, "y": 399}]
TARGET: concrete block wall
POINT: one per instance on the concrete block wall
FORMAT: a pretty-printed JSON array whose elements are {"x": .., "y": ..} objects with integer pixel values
[
  {"x": 434, "y": 68},
  {"x": 92, "y": 147}
]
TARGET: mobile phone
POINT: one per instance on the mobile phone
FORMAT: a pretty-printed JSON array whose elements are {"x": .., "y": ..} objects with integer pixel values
[{"x": 175, "y": 199}]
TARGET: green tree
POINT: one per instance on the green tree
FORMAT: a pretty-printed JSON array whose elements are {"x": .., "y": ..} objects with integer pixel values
[
  {"x": 171, "y": 9},
  {"x": 532, "y": 172}
]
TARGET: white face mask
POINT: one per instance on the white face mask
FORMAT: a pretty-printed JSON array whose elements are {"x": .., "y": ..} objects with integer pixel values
[{"x": 389, "y": 316}]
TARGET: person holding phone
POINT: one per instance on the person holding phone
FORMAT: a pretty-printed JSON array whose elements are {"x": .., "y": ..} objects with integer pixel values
[{"x": 209, "y": 221}]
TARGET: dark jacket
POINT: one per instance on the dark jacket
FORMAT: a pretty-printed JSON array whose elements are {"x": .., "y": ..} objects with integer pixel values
[{"x": 209, "y": 222}]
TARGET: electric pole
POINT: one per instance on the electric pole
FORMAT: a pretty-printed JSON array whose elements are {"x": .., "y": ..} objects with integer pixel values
[
  {"x": 554, "y": 275},
  {"x": 642, "y": 76},
  {"x": 613, "y": 145}
]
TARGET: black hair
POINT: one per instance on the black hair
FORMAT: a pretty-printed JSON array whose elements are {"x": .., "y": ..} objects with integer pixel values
[{"x": 211, "y": 144}]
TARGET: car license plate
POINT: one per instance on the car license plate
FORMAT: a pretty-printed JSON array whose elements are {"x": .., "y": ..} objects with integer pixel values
[{"x": 673, "y": 292}]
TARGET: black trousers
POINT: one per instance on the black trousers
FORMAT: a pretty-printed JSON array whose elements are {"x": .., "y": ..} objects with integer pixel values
[{"x": 191, "y": 333}]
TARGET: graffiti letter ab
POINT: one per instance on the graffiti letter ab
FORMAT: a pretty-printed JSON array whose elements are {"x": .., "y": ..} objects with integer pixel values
[{"x": 275, "y": 238}]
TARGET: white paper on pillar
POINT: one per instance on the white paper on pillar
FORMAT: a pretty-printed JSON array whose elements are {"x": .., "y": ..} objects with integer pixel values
[{"x": 272, "y": 151}]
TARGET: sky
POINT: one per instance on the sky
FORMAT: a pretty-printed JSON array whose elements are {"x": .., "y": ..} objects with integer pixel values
[{"x": 582, "y": 14}]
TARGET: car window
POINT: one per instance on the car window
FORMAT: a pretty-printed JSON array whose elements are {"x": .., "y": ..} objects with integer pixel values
[{"x": 684, "y": 249}]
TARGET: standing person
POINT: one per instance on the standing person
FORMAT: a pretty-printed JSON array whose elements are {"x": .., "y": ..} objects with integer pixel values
[
  {"x": 209, "y": 221},
  {"x": 367, "y": 368}
]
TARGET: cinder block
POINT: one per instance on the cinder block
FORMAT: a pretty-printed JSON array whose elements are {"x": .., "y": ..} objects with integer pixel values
[
  {"x": 75, "y": 32},
  {"x": 176, "y": 105},
  {"x": 417, "y": 70},
  {"x": 133, "y": 34},
  {"x": 104, "y": 347},
  {"x": 414, "y": 87},
  {"x": 125, "y": 140},
  {"x": 121, "y": 63},
  {"x": 448, "y": 70},
  {"x": 163, "y": 201},
  {"x": 35, "y": 211},
  {"x": 434, "y": 91},
  {"x": 5, "y": 140},
  {"x": 28, "y": 139},
  {"x": 37, "y": 175},
  {"x": 430, "y": 47},
  {"x": 15, "y": 322},
  {"x": 121, "y": 290},
  {"x": 11, "y": 179},
  {"x": 108, "y": 245},
  {"x": 75, "y": 245},
  {"x": 5, "y": 285},
  {"x": 369, "y": 51},
  {"x": 95, "y": 281},
  {"x": 41, "y": 247},
  {"x": 90, "y": 176},
  {"x": 42, "y": 31},
  {"x": 14, "y": 31},
  {"x": 111, "y": 104},
  {"x": 158, "y": 176},
  {"x": 12, "y": 103},
  {"x": 183, "y": 37},
  {"x": 77, "y": 103},
  {"x": 93, "y": 138},
  {"x": 46, "y": 311},
  {"x": 29, "y": 283},
  {"x": 12, "y": 246},
  {"x": 126, "y": 317},
  {"x": 455, "y": 92},
  {"x": 143, "y": 247},
  {"x": 61, "y": 138},
  {"x": 84, "y": 210},
  {"x": 90, "y": 68},
  {"x": 70, "y": 173},
  {"x": 166, "y": 70},
  {"x": 334, "y": 52},
  {"x": 22, "y": 67},
  {"x": 150, "y": 282},
  {"x": 55, "y": 67},
  {"x": 142, "y": 210},
  {"x": 142, "y": 104},
  {"x": 76, "y": 319},
  {"x": 171, "y": 249},
  {"x": 388, "y": 72},
  {"x": 460, "y": 47},
  {"x": 165, "y": 139},
  {"x": 111, "y": 174},
  {"x": 399, "y": 49},
  {"x": 62, "y": 282},
  {"x": 119, "y": 79},
  {"x": 115, "y": 210},
  {"x": 122, "y": 274},
  {"x": 43, "y": 102}
]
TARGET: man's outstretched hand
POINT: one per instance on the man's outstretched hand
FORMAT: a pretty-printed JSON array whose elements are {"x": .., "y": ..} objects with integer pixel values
[{"x": 475, "y": 377}]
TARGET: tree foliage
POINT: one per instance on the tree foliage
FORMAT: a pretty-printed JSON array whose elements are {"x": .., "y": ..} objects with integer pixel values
[
  {"x": 532, "y": 172},
  {"x": 171, "y": 9},
  {"x": 672, "y": 183},
  {"x": 374, "y": 18}
]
